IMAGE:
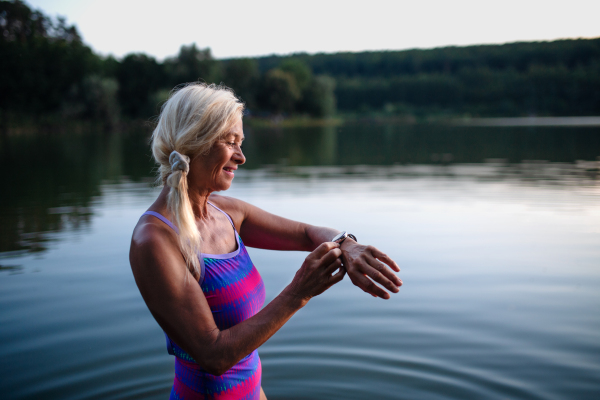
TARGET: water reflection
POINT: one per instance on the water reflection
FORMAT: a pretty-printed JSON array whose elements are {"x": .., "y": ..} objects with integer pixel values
[
  {"x": 292, "y": 146},
  {"x": 526, "y": 172},
  {"x": 55, "y": 177}
]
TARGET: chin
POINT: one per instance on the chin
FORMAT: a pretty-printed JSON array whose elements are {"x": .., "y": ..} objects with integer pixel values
[{"x": 222, "y": 188}]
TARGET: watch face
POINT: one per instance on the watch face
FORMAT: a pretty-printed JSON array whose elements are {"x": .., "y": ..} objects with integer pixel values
[{"x": 340, "y": 237}]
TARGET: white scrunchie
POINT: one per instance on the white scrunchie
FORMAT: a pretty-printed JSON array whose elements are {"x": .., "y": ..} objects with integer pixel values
[{"x": 179, "y": 162}]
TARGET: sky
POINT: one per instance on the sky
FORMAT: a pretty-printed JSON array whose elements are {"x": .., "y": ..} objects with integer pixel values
[{"x": 262, "y": 27}]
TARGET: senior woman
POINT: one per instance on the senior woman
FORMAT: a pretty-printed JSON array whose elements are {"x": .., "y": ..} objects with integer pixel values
[{"x": 190, "y": 262}]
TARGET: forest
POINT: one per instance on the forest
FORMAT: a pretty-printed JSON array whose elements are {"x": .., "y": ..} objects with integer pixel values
[{"x": 47, "y": 71}]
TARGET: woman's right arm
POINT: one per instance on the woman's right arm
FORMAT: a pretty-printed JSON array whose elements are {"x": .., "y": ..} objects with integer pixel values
[{"x": 177, "y": 302}]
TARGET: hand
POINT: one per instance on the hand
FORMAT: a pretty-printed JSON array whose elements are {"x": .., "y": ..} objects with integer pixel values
[
  {"x": 364, "y": 262},
  {"x": 315, "y": 275}
]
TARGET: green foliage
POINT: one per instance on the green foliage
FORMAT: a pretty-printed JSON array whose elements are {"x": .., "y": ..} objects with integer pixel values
[
  {"x": 279, "y": 92},
  {"x": 241, "y": 74},
  {"x": 19, "y": 23},
  {"x": 299, "y": 70},
  {"x": 95, "y": 98},
  {"x": 541, "y": 90},
  {"x": 192, "y": 64},
  {"x": 542, "y": 78},
  {"x": 318, "y": 99},
  {"x": 139, "y": 76},
  {"x": 158, "y": 99},
  {"x": 41, "y": 58}
]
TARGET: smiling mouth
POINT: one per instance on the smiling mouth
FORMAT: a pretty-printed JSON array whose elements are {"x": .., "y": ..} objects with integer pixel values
[{"x": 229, "y": 169}]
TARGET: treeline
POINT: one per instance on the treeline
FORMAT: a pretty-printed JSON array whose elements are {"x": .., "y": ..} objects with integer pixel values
[
  {"x": 533, "y": 78},
  {"x": 46, "y": 69}
]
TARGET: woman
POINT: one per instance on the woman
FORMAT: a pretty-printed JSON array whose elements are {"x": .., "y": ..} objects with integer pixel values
[{"x": 190, "y": 263}]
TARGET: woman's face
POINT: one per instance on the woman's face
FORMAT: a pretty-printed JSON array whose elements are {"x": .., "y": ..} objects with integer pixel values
[{"x": 215, "y": 170}]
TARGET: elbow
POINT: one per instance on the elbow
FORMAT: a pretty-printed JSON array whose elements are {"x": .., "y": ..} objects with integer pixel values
[
  {"x": 217, "y": 370},
  {"x": 215, "y": 367},
  {"x": 217, "y": 358}
]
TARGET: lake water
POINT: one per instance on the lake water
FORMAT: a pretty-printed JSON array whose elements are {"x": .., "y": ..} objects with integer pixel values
[{"x": 496, "y": 229}]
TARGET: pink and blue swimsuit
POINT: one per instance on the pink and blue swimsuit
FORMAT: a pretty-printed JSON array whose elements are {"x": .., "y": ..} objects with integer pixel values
[{"x": 235, "y": 292}]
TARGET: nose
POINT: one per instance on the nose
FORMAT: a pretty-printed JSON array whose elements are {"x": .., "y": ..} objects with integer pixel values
[{"x": 239, "y": 156}]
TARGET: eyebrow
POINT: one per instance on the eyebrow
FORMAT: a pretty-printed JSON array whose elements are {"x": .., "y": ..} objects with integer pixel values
[{"x": 235, "y": 135}]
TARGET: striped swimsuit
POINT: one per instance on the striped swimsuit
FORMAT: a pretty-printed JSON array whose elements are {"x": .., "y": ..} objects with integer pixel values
[{"x": 235, "y": 292}]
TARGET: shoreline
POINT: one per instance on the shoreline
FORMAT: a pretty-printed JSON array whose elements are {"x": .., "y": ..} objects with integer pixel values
[
  {"x": 48, "y": 125},
  {"x": 529, "y": 121}
]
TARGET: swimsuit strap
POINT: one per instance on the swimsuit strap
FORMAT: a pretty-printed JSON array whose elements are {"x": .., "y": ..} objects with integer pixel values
[
  {"x": 163, "y": 219},
  {"x": 227, "y": 215}
]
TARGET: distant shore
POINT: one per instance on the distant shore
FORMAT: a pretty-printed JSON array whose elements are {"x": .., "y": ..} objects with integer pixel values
[
  {"x": 530, "y": 121},
  {"x": 55, "y": 124},
  {"x": 291, "y": 122}
]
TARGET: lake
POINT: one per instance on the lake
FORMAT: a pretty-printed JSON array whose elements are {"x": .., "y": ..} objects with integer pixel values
[{"x": 496, "y": 229}]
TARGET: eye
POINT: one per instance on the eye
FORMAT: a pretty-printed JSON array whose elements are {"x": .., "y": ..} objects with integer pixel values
[{"x": 232, "y": 144}]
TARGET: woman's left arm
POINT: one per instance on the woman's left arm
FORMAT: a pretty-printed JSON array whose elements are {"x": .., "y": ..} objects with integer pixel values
[{"x": 366, "y": 265}]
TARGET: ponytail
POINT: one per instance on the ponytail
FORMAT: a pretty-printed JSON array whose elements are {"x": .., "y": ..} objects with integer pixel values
[{"x": 178, "y": 203}]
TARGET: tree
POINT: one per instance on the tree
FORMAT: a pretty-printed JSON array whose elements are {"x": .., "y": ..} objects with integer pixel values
[
  {"x": 318, "y": 99},
  {"x": 299, "y": 70},
  {"x": 192, "y": 64},
  {"x": 139, "y": 76},
  {"x": 242, "y": 76},
  {"x": 279, "y": 92},
  {"x": 42, "y": 59}
]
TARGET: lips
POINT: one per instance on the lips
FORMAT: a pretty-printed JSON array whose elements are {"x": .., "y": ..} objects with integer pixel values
[{"x": 229, "y": 170}]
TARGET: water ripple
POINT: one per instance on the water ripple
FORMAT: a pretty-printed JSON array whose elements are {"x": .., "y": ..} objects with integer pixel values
[{"x": 389, "y": 374}]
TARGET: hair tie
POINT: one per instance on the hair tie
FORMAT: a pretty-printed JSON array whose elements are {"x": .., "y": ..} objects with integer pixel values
[{"x": 179, "y": 162}]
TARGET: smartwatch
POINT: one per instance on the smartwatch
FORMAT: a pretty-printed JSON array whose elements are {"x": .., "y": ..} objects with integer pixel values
[{"x": 339, "y": 238}]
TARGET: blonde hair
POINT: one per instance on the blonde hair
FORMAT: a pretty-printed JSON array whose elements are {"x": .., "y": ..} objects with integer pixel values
[{"x": 191, "y": 121}]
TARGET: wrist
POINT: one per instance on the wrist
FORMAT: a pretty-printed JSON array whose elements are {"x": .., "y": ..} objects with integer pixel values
[
  {"x": 294, "y": 299},
  {"x": 347, "y": 243}
]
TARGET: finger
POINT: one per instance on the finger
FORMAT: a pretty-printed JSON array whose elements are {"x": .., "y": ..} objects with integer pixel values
[
  {"x": 384, "y": 270},
  {"x": 323, "y": 249},
  {"x": 336, "y": 264},
  {"x": 338, "y": 276},
  {"x": 331, "y": 256},
  {"x": 368, "y": 285},
  {"x": 377, "y": 271},
  {"x": 381, "y": 256}
]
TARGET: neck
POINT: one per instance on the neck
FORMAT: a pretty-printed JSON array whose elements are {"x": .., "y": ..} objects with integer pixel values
[{"x": 198, "y": 199}]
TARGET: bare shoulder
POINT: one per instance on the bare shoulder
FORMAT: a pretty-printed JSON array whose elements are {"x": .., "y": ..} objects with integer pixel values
[
  {"x": 154, "y": 249},
  {"x": 150, "y": 232}
]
